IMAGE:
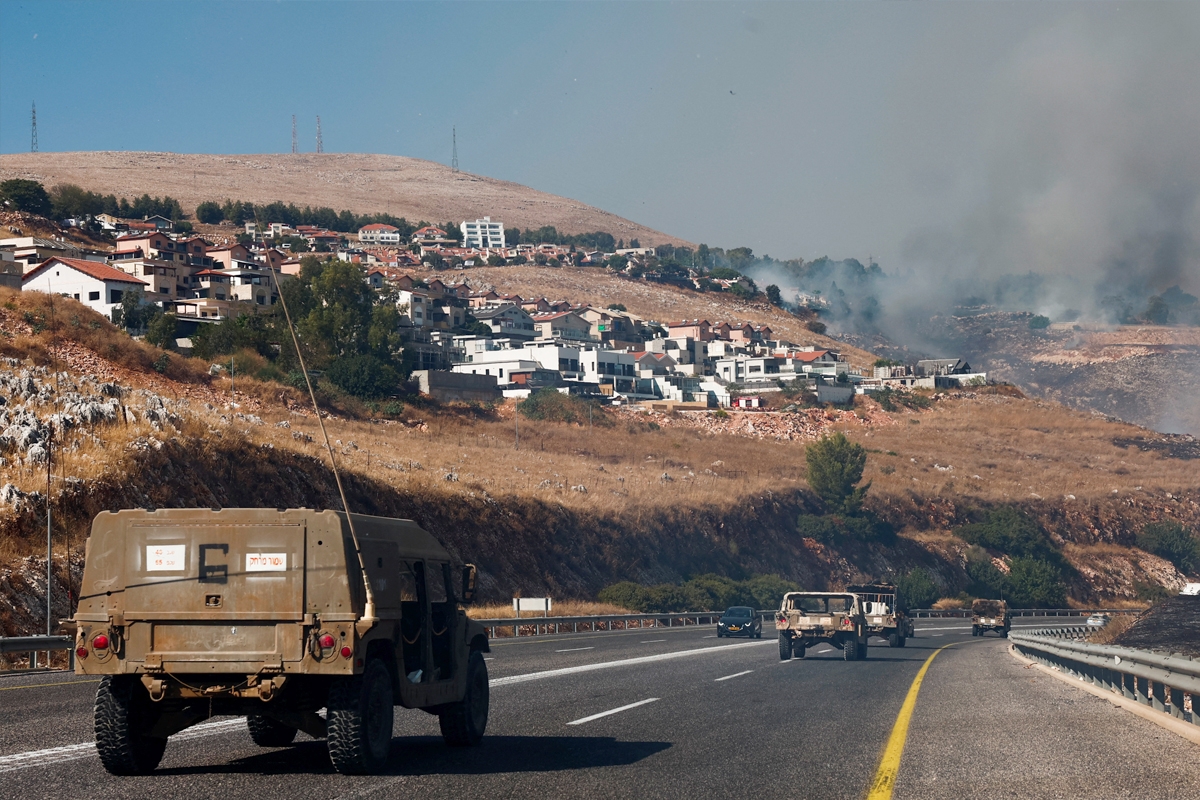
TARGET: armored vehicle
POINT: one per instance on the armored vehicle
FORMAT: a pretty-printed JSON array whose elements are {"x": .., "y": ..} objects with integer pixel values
[
  {"x": 191, "y": 613},
  {"x": 884, "y": 616},
  {"x": 805, "y": 619},
  {"x": 990, "y": 615}
]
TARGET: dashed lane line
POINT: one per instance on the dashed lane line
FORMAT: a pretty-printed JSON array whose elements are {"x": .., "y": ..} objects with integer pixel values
[
  {"x": 734, "y": 675},
  {"x": 652, "y": 641},
  {"x": 610, "y": 712},
  {"x": 574, "y": 649}
]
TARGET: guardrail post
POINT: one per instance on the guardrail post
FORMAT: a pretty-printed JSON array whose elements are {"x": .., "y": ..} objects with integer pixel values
[
  {"x": 1127, "y": 686},
  {"x": 1176, "y": 703},
  {"x": 1158, "y": 697},
  {"x": 1142, "y": 688},
  {"x": 33, "y": 659}
]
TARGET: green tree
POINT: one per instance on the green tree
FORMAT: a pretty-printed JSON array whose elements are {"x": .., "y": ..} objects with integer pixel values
[
  {"x": 26, "y": 195},
  {"x": 626, "y": 594},
  {"x": 774, "y": 296},
  {"x": 68, "y": 200},
  {"x": 162, "y": 330},
  {"x": 617, "y": 307},
  {"x": 835, "y": 467},
  {"x": 1175, "y": 543},
  {"x": 1012, "y": 532},
  {"x": 209, "y": 213},
  {"x": 1036, "y": 584},
  {"x": 1039, "y": 322},
  {"x": 494, "y": 260},
  {"x": 363, "y": 376},
  {"x": 916, "y": 590}
]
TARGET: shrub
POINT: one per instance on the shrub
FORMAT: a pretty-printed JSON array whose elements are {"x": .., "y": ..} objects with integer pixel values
[
  {"x": 707, "y": 592},
  {"x": 1012, "y": 532},
  {"x": 626, "y": 594},
  {"x": 363, "y": 376},
  {"x": 550, "y": 405},
  {"x": 916, "y": 590},
  {"x": 1175, "y": 543},
  {"x": 26, "y": 195},
  {"x": 816, "y": 326},
  {"x": 1036, "y": 584},
  {"x": 1038, "y": 322},
  {"x": 835, "y": 467},
  {"x": 161, "y": 331},
  {"x": 836, "y": 527}
]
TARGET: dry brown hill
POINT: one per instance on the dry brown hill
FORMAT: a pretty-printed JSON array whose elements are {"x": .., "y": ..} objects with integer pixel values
[{"x": 363, "y": 183}]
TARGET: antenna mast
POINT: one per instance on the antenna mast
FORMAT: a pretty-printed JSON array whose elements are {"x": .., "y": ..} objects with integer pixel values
[
  {"x": 320, "y": 144},
  {"x": 293, "y": 134},
  {"x": 33, "y": 147},
  {"x": 453, "y": 150}
]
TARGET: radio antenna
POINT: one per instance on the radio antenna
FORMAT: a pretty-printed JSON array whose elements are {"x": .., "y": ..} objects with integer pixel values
[{"x": 369, "y": 609}]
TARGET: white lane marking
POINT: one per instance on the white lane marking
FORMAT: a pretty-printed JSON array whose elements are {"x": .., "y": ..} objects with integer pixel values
[
  {"x": 574, "y": 649},
  {"x": 489, "y": 658},
  {"x": 734, "y": 675},
  {"x": 936, "y": 634},
  {"x": 652, "y": 641},
  {"x": 74, "y": 752},
  {"x": 625, "y": 662},
  {"x": 613, "y": 711},
  {"x": 713, "y": 636}
]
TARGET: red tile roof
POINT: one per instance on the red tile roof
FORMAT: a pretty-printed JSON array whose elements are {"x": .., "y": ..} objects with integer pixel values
[
  {"x": 94, "y": 269},
  {"x": 377, "y": 226}
]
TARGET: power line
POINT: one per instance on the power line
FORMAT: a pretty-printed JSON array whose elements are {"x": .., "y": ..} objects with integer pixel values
[
  {"x": 33, "y": 146},
  {"x": 293, "y": 134},
  {"x": 453, "y": 150},
  {"x": 320, "y": 144}
]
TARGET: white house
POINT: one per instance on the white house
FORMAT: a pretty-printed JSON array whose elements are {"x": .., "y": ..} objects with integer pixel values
[
  {"x": 378, "y": 233},
  {"x": 483, "y": 233},
  {"x": 98, "y": 286}
]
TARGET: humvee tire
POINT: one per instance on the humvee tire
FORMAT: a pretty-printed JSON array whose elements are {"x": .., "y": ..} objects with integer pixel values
[
  {"x": 894, "y": 640},
  {"x": 267, "y": 732},
  {"x": 849, "y": 649},
  {"x": 862, "y": 651},
  {"x": 903, "y": 640},
  {"x": 359, "y": 720},
  {"x": 464, "y": 722},
  {"x": 122, "y": 716},
  {"x": 1004, "y": 634},
  {"x": 798, "y": 651},
  {"x": 785, "y": 647}
]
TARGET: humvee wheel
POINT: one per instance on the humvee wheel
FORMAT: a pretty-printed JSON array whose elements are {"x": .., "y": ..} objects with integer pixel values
[
  {"x": 359, "y": 720},
  {"x": 862, "y": 651},
  {"x": 785, "y": 648},
  {"x": 1004, "y": 634},
  {"x": 799, "y": 650},
  {"x": 974, "y": 631},
  {"x": 903, "y": 639},
  {"x": 464, "y": 722},
  {"x": 893, "y": 639},
  {"x": 267, "y": 732},
  {"x": 849, "y": 649},
  {"x": 122, "y": 716}
]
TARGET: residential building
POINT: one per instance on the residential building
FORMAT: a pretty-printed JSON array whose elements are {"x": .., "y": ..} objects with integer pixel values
[
  {"x": 98, "y": 286},
  {"x": 698, "y": 329},
  {"x": 483, "y": 233},
  {"x": 507, "y": 320},
  {"x": 562, "y": 325},
  {"x": 30, "y": 251},
  {"x": 379, "y": 233}
]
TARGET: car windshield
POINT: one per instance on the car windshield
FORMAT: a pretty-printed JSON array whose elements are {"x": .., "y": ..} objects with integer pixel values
[{"x": 739, "y": 612}]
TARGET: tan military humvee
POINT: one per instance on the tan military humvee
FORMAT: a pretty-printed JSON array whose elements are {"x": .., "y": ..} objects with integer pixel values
[
  {"x": 881, "y": 609},
  {"x": 808, "y": 618},
  {"x": 192, "y": 613},
  {"x": 990, "y": 615}
]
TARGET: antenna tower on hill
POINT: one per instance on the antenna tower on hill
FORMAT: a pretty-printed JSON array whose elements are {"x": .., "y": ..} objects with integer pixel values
[
  {"x": 293, "y": 134},
  {"x": 454, "y": 150},
  {"x": 320, "y": 144},
  {"x": 33, "y": 141}
]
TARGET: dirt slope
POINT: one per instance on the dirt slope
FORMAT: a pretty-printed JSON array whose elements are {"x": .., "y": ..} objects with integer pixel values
[{"x": 363, "y": 183}]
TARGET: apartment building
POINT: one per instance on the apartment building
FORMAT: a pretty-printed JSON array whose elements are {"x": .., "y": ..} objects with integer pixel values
[{"x": 483, "y": 233}]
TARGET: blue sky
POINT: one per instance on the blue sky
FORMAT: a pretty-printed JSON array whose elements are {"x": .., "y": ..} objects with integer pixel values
[{"x": 798, "y": 129}]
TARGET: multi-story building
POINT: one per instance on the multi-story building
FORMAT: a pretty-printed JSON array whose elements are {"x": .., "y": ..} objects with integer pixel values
[
  {"x": 378, "y": 233},
  {"x": 96, "y": 285},
  {"x": 483, "y": 233}
]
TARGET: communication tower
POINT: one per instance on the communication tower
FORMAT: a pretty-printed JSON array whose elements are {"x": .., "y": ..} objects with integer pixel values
[
  {"x": 454, "y": 150},
  {"x": 293, "y": 134},
  {"x": 320, "y": 144},
  {"x": 33, "y": 148}
]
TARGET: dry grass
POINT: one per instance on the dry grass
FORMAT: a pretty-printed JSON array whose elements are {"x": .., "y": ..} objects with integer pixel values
[{"x": 1116, "y": 626}]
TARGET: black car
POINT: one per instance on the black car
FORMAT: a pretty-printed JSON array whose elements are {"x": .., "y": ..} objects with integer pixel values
[{"x": 740, "y": 621}]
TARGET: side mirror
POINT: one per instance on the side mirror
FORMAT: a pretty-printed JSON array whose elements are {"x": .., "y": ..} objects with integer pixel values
[{"x": 468, "y": 584}]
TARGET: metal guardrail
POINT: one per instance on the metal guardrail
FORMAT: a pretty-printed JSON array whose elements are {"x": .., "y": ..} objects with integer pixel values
[
  {"x": 958, "y": 613},
  {"x": 600, "y": 622},
  {"x": 1167, "y": 683},
  {"x": 38, "y": 644}
]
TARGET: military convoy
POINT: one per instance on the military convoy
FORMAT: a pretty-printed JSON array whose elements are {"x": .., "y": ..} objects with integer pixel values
[
  {"x": 191, "y": 613},
  {"x": 843, "y": 620},
  {"x": 990, "y": 615},
  {"x": 884, "y": 617}
]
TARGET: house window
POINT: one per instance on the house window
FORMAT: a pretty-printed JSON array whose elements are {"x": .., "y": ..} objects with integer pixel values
[
  {"x": 114, "y": 295},
  {"x": 91, "y": 296}
]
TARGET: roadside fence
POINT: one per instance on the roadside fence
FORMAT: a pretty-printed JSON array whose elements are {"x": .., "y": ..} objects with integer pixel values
[
  {"x": 1169, "y": 683},
  {"x": 34, "y": 646},
  {"x": 959, "y": 613}
]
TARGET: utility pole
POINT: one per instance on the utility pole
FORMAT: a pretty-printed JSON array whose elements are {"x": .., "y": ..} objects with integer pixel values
[
  {"x": 320, "y": 144},
  {"x": 454, "y": 150},
  {"x": 293, "y": 134},
  {"x": 33, "y": 146}
]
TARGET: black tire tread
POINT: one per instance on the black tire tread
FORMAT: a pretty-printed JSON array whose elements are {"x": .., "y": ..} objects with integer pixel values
[
  {"x": 346, "y": 723},
  {"x": 785, "y": 647},
  {"x": 455, "y": 721},
  {"x": 267, "y": 732},
  {"x": 122, "y": 749}
]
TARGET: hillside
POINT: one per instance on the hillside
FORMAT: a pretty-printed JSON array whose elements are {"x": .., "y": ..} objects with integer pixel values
[
  {"x": 362, "y": 183},
  {"x": 646, "y": 497}
]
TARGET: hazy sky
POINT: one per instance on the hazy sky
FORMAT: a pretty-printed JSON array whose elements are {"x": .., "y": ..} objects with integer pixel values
[{"x": 798, "y": 129}]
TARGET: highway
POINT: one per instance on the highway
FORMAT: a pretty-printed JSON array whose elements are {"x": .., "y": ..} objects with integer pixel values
[{"x": 666, "y": 713}]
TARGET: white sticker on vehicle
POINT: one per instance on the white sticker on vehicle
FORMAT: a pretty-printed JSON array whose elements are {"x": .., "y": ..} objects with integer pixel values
[
  {"x": 266, "y": 562},
  {"x": 166, "y": 557}
]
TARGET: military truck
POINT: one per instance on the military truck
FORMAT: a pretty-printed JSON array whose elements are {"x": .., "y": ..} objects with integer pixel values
[
  {"x": 883, "y": 614},
  {"x": 806, "y": 619},
  {"x": 186, "y": 614},
  {"x": 990, "y": 615}
]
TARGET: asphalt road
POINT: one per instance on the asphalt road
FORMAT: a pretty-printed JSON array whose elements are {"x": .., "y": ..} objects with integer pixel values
[{"x": 701, "y": 718}]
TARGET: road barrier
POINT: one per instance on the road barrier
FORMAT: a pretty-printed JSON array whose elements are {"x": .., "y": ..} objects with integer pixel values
[
  {"x": 961, "y": 613},
  {"x": 1167, "y": 683},
  {"x": 540, "y": 626},
  {"x": 38, "y": 644}
]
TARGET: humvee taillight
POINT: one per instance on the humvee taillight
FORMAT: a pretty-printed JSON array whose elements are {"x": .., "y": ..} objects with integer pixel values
[
  {"x": 81, "y": 652},
  {"x": 100, "y": 642},
  {"x": 327, "y": 642},
  {"x": 347, "y": 652}
]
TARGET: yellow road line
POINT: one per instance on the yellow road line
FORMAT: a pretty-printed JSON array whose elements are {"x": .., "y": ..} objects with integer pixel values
[
  {"x": 889, "y": 765},
  {"x": 44, "y": 685}
]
